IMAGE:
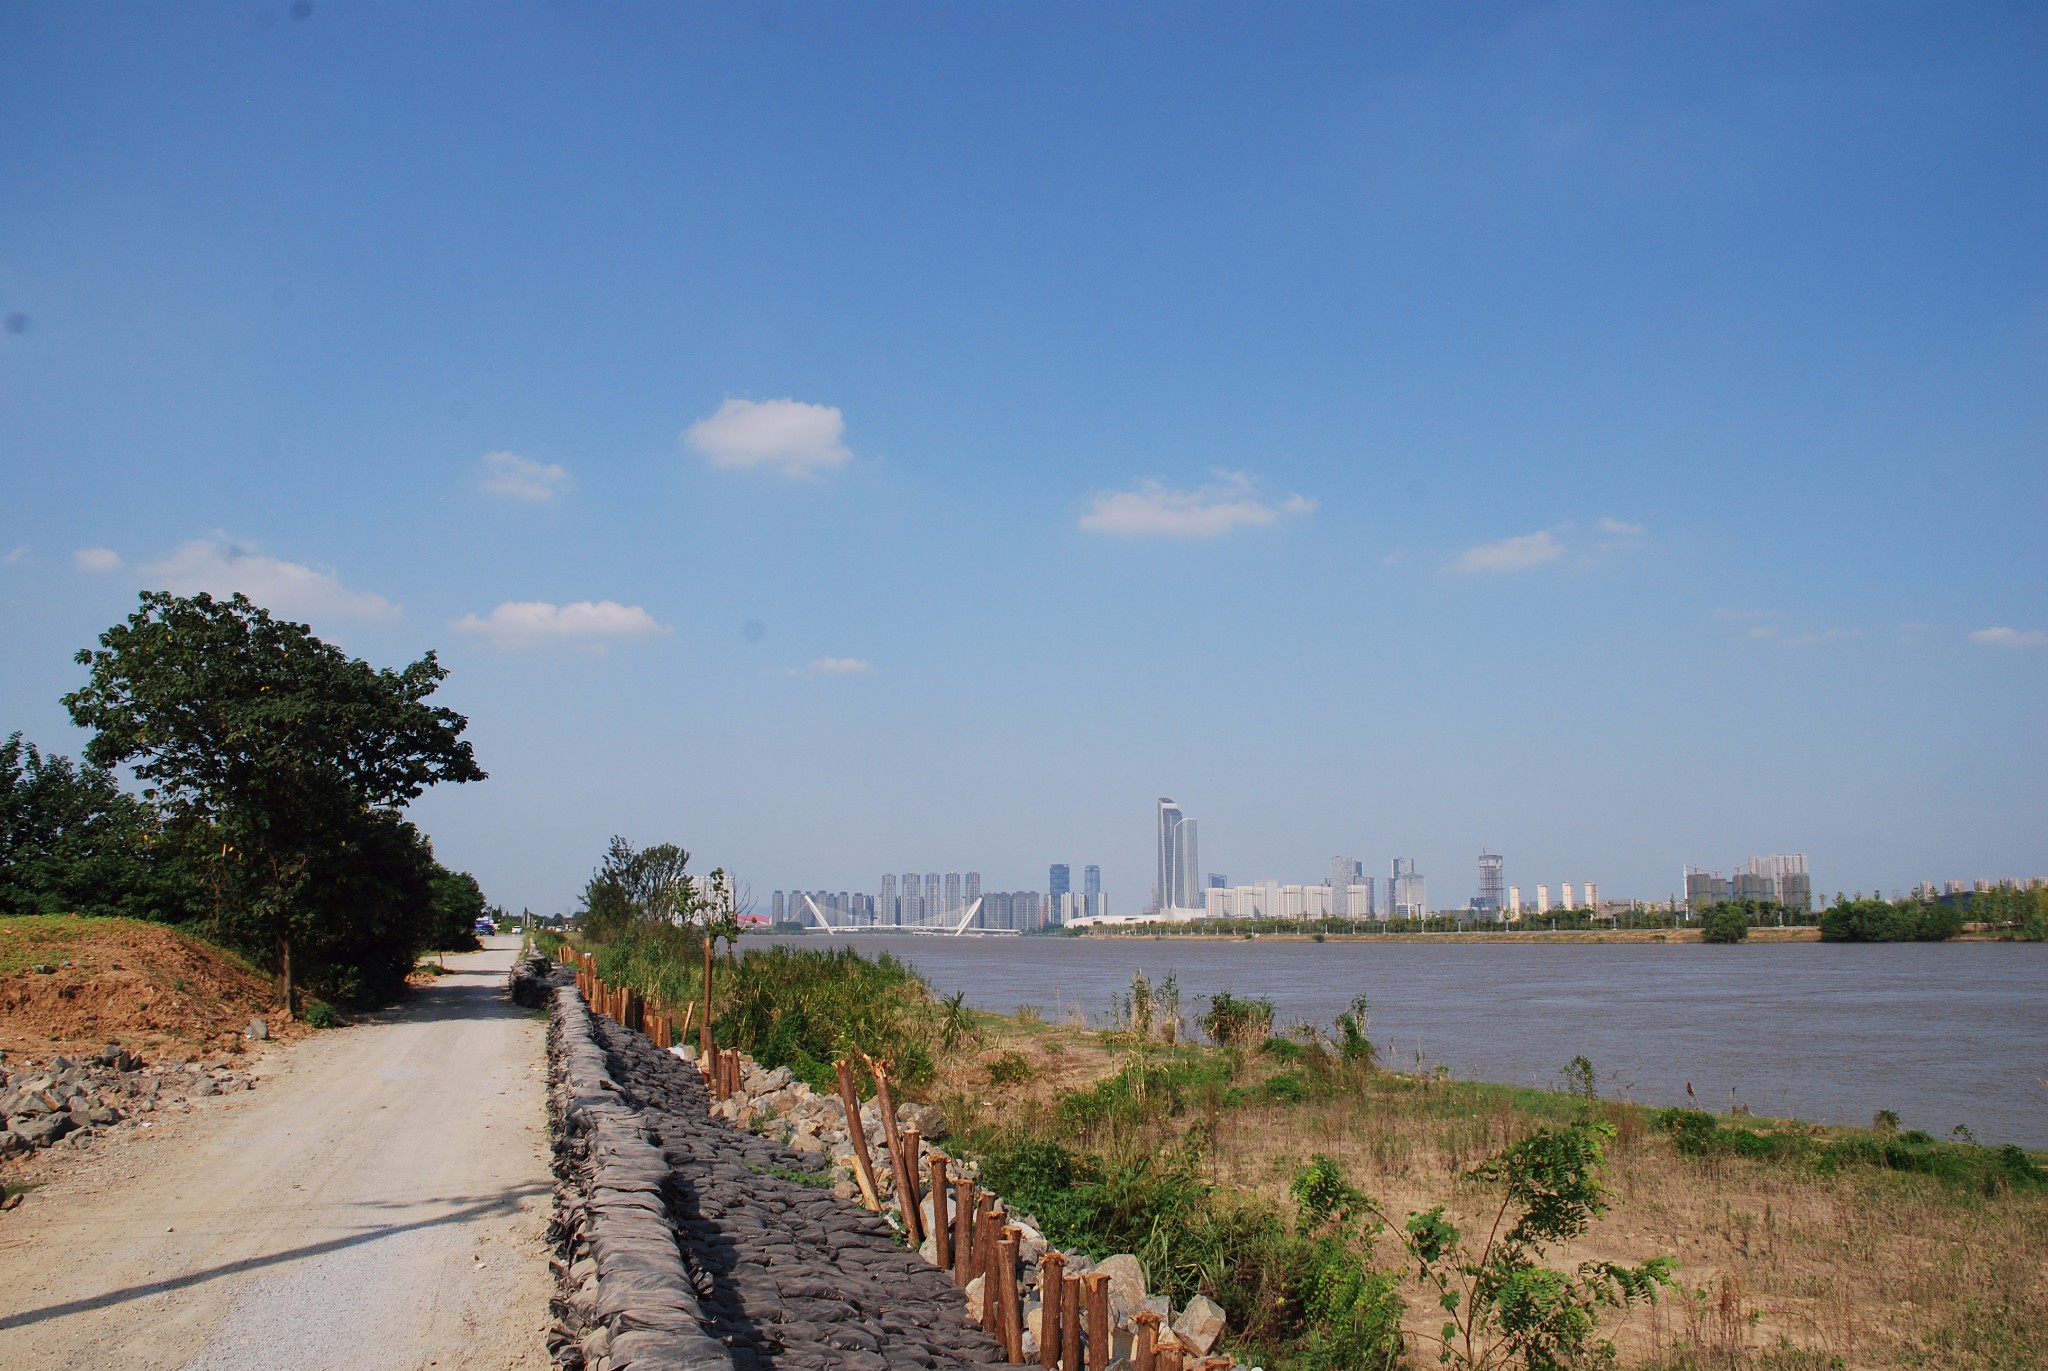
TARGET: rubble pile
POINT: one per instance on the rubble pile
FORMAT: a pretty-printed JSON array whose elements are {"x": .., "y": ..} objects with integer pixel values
[{"x": 72, "y": 1101}]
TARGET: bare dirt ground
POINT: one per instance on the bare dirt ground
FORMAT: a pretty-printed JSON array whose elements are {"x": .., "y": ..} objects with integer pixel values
[{"x": 379, "y": 1200}]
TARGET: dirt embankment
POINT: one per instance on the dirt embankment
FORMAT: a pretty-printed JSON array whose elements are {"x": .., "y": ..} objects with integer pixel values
[{"x": 74, "y": 985}]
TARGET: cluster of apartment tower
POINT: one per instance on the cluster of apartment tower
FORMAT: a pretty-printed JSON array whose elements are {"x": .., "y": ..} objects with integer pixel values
[{"x": 935, "y": 900}]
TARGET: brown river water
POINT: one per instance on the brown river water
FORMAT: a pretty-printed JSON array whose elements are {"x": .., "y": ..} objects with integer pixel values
[{"x": 1945, "y": 1034}]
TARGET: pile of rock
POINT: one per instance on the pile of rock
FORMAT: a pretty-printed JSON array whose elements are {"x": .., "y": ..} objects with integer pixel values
[
  {"x": 774, "y": 1104},
  {"x": 73, "y": 1101}
]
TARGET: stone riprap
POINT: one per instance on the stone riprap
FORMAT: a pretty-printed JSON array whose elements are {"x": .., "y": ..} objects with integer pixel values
[
  {"x": 684, "y": 1242},
  {"x": 72, "y": 1101}
]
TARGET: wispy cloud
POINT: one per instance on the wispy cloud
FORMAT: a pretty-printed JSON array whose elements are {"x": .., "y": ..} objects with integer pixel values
[
  {"x": 2010, "y": 637},
  {"x": 221, "y": 566},
  {"x": 15, "y": 555},
  {"x": 1743, "y": 614},
  {"x": 1825, "y": 635},
  {"x": 529, "y": 623},
  {"x": 523, "y": 478},
  {"x": 789, "y": 436},
  {"x": 839, "y": 666},
  {"x": 1618, "y": 529},
  {"x": 1154, "y": 510},
  {"x": 1512, "y": 554},
  {"x": 95, "y": 559}
]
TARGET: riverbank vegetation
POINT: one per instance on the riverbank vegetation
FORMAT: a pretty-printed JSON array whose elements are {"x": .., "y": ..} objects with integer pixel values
[{"x": 1324, "y": 1200}]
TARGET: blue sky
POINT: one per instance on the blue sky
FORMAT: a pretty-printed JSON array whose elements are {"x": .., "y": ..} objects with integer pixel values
[{"x": 847, "y": 439}]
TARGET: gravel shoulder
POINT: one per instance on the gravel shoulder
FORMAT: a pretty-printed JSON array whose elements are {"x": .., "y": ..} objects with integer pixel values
[{"x": 379, "y": 1200}]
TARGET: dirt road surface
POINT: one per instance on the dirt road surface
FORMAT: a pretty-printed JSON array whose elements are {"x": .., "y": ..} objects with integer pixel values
[{"x": 378, "y": 1201}]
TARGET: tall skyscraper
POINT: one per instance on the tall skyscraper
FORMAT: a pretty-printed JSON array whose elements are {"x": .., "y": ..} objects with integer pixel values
[
  {"x": 934, "y": 892},
  {"x": 1492, "y": 883},
  {"x": 1565, "y": 900},
  {"x": 972, "y": 891},
  {"x": 910, "y": 901},
  {"x": 1514, "y": 901},
  {"x": 1543, "y": 898},
  {"x": 1180, "y": 865},
  {"x": 1091, "y": 891},
  {"x": 952, "y": 892},
  {"x": 1059, "y": 882},
  {"x": 1592, "y": 896},
  {"x": 885, "y": 909},
  {"x": 776, "y": 907}
]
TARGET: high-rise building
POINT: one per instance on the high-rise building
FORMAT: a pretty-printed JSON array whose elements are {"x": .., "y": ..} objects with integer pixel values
[
  {"x": 1058, "y": 882},
  {"x": 1179, "y": 869},
  {"x": 910, "y": 902},
  {"x": 934, "y": 896},
  {"x": 885, "y": 907},
  {"x": 1091, "y": 891},
  {"x": 1592, "y": 896},
  {"x": 1514, "y": 902},
  {"x": 972, "y": 890},
  {"x": 1218, "y": 881},
  {"x": 1565, "y": 900},
  {"x": 1543, "y": 899},
  {"x": 1407, "y": 893},
  {"x": 952, "y": 905},
  {"x": 776, "y": 908},
  {"x": 1492, "y": 883},
  {"x": 1343, "y": 875}
]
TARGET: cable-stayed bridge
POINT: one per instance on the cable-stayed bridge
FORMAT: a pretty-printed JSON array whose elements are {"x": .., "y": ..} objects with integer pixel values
[{"x": 945, "y": 924}]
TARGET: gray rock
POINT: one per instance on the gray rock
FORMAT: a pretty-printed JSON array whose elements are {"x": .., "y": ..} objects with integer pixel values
[
  {"x": 1199, "y": 1325},
  {"x": 45, "y": 1129},
  {"x": 258, "y": 1030},
  {"x": 1126, "y": 1281}
]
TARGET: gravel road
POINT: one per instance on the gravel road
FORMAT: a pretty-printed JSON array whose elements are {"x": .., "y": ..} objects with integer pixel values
[{"x": 378, "y": 1201}]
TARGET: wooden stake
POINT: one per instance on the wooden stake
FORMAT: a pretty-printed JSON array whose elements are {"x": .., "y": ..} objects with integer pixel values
[
  {"x": 942, "y": 1226},
  {"x": 913, "y": 1200},
  {"x": 1013, "y": 1308},
  {"x": 1145, "y": 1341},
  {"x": 902, "y": 1169},
  {"x": 1070, "y": 1323},
  {"x": 705, "y": 1046},
  {"x": 1166, "y": 1359},
  {"x": 1051, "y": 1268},
  {"x": 856, "y": 1135},
  {"x": 963, "y": 1231},
  {"x": 1100, "y": 1334}
]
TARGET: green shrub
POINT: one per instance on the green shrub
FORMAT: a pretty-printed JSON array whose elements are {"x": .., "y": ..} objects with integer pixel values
[
  {"x": 1235, "y": 1022},
  {"x": 1010, "y": 1069},
  {"x": 319, "y": 1015},
  {"x": 1725, "y": 923}
]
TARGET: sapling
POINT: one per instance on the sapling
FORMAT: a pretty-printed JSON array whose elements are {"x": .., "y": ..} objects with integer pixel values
[{"x": 1502, "y": 1306}]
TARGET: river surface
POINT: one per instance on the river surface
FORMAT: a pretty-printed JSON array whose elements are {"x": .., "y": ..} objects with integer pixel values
[{"x": 1943, "y": 1033}]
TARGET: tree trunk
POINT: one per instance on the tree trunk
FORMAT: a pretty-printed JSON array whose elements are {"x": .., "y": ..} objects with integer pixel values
[{"x": 284, "y": 973}]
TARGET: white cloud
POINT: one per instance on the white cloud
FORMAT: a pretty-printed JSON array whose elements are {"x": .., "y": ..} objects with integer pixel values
[
  {"x": 1619, "y": 529},
  {"x": 16, "y": 555},
  {"x": 522, "y": 478},
  {"x": 1512, "y": 554},
  {"x": 2010, "y": 637},
  {"x": 221, "y": 567},
  {"x": 839, "y": 666},
  {"x": 788, "y": 436},
  {"x": 524, "y": 623},
  {"x": 1153, "y": 510},
  {"x": 94, "y": 559}
]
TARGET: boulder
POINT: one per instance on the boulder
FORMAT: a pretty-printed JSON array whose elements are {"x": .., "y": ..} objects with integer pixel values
[
  {"x": 258, "y": 1030},
  {"x": 927, "y": 1119},
  {"x": 1126, "y": 1282},
  {"x": 44, "y": 1129},
  {"x": 973, "y": 1294},
  {"x": 1199, "y": 1325}
]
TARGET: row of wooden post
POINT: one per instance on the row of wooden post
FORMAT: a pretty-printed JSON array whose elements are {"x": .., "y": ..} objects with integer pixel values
[
  {"x": 971, "y": 1232},
  {"x": 658, "y": 1021}
]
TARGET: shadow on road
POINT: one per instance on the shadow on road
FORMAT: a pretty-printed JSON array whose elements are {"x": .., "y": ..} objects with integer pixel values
[{"x": 472, "y": 1208}]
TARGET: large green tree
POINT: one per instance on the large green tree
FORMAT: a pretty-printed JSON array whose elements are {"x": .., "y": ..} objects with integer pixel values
[{"x": 279, "y": 753}]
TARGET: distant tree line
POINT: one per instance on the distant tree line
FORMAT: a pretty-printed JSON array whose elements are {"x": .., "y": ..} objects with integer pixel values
[{"x": 275, "y": 772}]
